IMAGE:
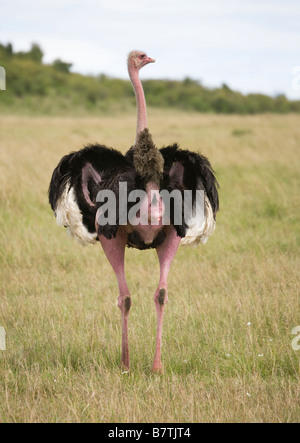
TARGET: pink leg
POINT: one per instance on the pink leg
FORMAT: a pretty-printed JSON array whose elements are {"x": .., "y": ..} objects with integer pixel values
[
  {"x": 166, "y": 253},
  {"x": 115, "y": 252}
]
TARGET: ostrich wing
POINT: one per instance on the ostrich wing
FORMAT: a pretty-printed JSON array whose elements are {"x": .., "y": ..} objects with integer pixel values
[
  {"x": 192, "y": 171},
  {"x": 75, "y": 184}
]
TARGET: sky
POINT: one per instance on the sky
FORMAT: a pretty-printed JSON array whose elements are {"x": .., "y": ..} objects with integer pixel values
[{"x": 251, "y": 45}]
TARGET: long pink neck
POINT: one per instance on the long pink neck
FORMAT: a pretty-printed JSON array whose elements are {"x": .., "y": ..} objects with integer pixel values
[{"x": 142, "y": 121}]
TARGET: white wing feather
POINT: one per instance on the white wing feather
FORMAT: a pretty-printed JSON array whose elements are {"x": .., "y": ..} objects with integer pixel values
[
  {"x": 68, "y": 214},
  {"x": 199, "y": 233}
]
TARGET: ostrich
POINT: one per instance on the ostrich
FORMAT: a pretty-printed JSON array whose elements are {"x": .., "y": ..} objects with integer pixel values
[{"x": 81, "y": 176}]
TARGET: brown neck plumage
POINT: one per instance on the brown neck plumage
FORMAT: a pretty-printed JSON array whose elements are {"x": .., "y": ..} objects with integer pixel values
[{"x": 147, "y": 160}]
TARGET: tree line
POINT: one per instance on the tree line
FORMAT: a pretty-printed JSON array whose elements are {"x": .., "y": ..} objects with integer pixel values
[{"x": 53, "y": 88}]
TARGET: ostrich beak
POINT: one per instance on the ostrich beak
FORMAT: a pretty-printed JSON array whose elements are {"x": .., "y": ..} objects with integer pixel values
[{"x": 150, "y": 60}]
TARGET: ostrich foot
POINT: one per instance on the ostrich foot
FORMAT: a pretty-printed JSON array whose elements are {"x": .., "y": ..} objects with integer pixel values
[{"x": 158, "y": 367}]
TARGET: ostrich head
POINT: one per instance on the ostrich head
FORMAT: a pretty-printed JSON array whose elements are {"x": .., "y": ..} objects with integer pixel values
[{"x": 138, "y": 59}]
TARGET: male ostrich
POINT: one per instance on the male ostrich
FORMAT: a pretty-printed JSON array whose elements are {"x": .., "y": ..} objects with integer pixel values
[{"x": 80, "y": 176}]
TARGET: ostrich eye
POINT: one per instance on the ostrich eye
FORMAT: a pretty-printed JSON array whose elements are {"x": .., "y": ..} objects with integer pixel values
[{"x": 142, "y": 55}]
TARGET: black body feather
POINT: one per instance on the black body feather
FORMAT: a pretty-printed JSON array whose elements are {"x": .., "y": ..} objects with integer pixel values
[
  {"x": 198, "y": 172},
  {"x": 113, "y": 167},
  {"x": 106, "y": 161}
]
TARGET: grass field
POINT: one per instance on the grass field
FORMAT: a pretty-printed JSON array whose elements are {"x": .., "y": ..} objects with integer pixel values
[{"x": 227, "y": 343}]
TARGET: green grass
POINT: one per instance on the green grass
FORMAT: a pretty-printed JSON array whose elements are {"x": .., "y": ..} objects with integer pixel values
[{"x": 232, "y": 303}]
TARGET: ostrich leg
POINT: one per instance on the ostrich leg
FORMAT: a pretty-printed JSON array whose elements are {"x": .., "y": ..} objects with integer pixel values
[
  {"x": 115, "y": 252},
  {"x": 166, "y": 253}
]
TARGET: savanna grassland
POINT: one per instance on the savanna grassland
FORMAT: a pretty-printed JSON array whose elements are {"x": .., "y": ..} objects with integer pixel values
[{"x": 227, "y": 343}]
